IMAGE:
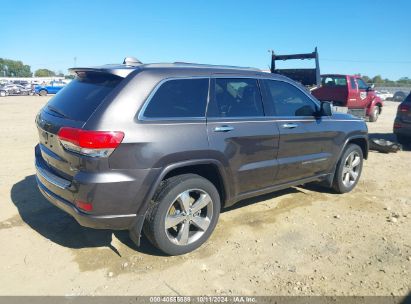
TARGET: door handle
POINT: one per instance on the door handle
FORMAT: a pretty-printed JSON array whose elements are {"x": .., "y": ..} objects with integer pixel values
[
  {"x": 289, "y": 125},
  {"x": 223, "y": 129}
]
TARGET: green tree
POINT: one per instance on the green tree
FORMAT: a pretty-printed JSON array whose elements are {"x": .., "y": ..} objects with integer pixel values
[
  {"x": 44, "y": 73},
  {"x": 366, "y": 79},
  {"x": 389, "y": 83},
  {"x": 404, "y": 80},
  {"x": 13, "y": 68},
  {"x": 377, "y": 79}
]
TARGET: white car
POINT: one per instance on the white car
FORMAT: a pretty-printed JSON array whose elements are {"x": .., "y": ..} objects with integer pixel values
[{"x": 384, "y": 94}]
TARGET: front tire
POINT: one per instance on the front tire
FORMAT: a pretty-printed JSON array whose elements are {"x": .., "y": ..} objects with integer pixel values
[
  {"x": 349, "y": 169},
  {"x": 183, "y": 214},
  {"x": 43, "y": 93},
  {"x": 375, "y": 114},
  {"x": 3, "y": 94}
]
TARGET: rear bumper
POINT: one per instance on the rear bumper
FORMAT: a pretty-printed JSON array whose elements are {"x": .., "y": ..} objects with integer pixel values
[
  {"x": 116, "y": 195},
  {"x": 116, "y": 222}
]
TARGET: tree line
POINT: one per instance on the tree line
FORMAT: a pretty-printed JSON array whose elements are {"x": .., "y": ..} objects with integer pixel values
[
  {"x": 16, "y": 68},
  {"x": 385, "y": 82}
]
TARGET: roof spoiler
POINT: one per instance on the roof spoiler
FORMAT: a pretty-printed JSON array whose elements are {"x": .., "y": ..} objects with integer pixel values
[
  {"x": 307, "y": 77},
  {"x": 121, "y": 70}
]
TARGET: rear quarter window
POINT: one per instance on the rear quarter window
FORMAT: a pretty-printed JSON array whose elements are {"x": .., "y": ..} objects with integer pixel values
[{"x": 81, "y": 97}]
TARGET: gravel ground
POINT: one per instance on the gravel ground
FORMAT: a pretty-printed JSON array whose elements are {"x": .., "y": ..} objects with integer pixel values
[{"x": 301, "y": 241}]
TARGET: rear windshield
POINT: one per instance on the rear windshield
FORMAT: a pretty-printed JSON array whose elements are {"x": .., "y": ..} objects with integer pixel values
[
  {"x": 81, "y": 97},
  {"x": 333, "y": 81},
  {"x": 408, "y": 98}
]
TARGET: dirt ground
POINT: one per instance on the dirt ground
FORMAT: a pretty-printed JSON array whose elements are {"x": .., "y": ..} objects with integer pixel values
[{"x": 302, "y": 241}]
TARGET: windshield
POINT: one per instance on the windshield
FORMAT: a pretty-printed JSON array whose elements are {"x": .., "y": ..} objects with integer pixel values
[{"x": 81, "y": 97}]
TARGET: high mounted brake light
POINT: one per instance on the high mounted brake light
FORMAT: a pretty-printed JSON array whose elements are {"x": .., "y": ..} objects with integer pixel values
[{"x": 90, "y": 143}]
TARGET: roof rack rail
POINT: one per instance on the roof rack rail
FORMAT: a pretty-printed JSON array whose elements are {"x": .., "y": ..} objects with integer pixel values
[{"x": 217, "y": 66}]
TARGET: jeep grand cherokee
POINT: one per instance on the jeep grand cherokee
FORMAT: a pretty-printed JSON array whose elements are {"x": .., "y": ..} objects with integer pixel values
[{"x": 161, "y": 148}]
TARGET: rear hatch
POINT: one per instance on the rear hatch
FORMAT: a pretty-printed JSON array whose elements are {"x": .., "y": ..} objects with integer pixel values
[{"x": 71, "y": 107}]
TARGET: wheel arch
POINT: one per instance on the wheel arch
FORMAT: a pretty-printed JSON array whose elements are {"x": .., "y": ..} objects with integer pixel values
[
  {"x": 210, "y": 169},
  {"x": 359, "y": 140}
]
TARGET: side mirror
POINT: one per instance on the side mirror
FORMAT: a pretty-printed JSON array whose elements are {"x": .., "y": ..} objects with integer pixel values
[
  {"x": 325, "y": 109},
  {"x": 371, "y": 87}
]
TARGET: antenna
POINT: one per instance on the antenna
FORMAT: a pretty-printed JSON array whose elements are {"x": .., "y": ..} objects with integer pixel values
[{"x": 131, "y": 61}]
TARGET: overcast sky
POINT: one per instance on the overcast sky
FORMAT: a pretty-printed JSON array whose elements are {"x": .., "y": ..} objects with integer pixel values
[{"x": 367, "y": 37}]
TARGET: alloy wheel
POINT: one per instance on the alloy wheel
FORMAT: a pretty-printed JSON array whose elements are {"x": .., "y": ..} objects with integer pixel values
[
  {"x": 188, "y": 217},
  {"x": 352, "y": 166}
]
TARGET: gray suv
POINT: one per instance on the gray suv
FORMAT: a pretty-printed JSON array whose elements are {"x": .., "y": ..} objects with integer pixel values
[{"x": 161, "y": 148}]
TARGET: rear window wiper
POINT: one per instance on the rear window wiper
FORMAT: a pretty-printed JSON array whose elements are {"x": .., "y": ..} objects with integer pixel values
[{"x": 57, "y": 111}]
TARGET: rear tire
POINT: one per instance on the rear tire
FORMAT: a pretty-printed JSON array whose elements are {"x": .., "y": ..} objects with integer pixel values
[
  {"x": 375, "y": 114},
  {"x": 349, "y": 169},
  {"x": 183, "y": 213}
]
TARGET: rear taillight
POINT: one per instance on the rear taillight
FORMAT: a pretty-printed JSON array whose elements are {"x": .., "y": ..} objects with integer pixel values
[
  {"x": 404, "y": 108},
  {"x": 90, "y": 143},
  {"x": 84, "y": 205}
]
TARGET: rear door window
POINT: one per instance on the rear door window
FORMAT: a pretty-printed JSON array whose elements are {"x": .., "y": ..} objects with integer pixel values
[
  {"x": 81, "y": 97},
  {"x": 236, "y": 97},
  {"x": 179, "y": 98}
]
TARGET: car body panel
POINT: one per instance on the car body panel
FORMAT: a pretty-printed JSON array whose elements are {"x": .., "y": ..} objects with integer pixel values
[
  {"x": 15, "y": 89},
  {"x": 352, "y": 95},
  {"x": 52, "y": 88},
  {"x": 255, "y": 157}
]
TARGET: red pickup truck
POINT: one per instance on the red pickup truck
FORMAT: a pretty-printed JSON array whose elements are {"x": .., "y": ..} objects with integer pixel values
[{"x": 351, "y": 92}]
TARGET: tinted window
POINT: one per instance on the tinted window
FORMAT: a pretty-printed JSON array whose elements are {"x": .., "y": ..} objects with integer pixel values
[
  {"x": 81, "y": 97},
  {"x": 236, "y": 98},
  {"x": 353, "y": 84},
  {"x": 179, "y": 98},
  {"x": 289, "y": 100},
  {"x": 333, "y": 81},
  {"x": 361, "y": 84}
]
